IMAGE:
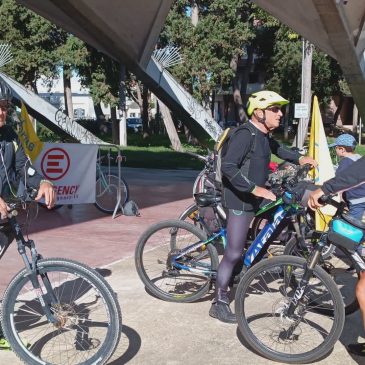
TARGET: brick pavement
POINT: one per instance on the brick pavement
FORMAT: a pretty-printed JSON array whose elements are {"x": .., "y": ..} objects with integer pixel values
[{"x": 154, "y": 332}]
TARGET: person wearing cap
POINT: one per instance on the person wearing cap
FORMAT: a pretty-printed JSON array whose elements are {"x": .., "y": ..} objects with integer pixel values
[
  {"x": 345, "y": 145},
  {"x": 244, "y": 174}
]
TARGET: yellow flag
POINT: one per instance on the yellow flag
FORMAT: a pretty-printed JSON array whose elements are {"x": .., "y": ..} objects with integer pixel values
[
  {"x": 318, "y": 149},
  {"x": 31, "y": 143}
]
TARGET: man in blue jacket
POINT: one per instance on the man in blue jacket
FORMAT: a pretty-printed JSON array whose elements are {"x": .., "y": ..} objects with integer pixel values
[{"x": 353, "y": 176}]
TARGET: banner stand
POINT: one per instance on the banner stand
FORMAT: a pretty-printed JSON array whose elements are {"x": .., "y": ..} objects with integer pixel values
[{"x": 119, "y": 190}]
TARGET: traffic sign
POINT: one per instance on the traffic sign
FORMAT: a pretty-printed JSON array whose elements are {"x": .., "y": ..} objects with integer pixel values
[{"x": 301, "y": 110}]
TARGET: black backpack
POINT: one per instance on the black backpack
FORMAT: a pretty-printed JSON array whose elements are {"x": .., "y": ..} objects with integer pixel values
[{"x": 220, "y": 148}]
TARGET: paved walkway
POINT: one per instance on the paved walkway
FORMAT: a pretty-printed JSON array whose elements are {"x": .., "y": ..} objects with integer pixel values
[{"x": 154, "y": 331}]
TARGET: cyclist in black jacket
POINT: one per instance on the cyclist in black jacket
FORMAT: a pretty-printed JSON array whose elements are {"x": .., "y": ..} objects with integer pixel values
[
  {"x": 244, "y": 174},
  {"x": 14, "y": 163},
  {"x": 15, "y": 166},
  {"x": 352, "y": 176}
]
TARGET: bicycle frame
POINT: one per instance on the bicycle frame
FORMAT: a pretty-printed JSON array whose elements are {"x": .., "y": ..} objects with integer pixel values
[{"x": 262, "y": 240}]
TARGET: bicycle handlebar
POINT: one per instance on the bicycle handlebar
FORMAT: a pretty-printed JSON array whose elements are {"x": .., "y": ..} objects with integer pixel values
[
  {"x": 328, "y": 199},
  {"x": 292, "y": 180},
  {"x": 29, "y": 195},
  {"x": 287, "y": 187}
]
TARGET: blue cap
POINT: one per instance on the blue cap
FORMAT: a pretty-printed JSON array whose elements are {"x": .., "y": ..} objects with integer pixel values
[{"x": 344, "y": 140}]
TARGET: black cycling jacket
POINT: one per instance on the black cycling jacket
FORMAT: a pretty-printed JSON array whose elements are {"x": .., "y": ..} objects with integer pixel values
[
  {"x": 346, "y": 179},
  {"x": 14, "y": 163},
  {"x": 240, "y": 179}
]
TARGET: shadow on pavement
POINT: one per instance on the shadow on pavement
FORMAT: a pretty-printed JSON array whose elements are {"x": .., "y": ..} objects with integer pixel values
[{"x": 129, "y": 345}]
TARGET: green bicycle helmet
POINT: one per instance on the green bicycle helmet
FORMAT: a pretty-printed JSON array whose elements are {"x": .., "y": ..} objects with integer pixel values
[{"x": 263, "y": 99}]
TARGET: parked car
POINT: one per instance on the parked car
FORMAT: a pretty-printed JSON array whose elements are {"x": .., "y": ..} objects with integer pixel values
[{"x": 134, "y": 124}]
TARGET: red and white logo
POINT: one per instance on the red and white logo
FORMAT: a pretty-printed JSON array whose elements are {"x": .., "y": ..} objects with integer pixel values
[{"x": 55, "y": 163}]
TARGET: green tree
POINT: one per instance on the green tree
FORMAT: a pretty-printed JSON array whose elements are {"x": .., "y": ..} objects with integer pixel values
[
  {"x": 284, "y": 69},
  {"x": 225, "y": 36},
  {"x": 101, "y": 75},
  {"x": 71, "y": 55},
  {"x": 33, "y": 41}
]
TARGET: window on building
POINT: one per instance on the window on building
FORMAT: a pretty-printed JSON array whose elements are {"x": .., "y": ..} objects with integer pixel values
[{"x": 79, "y": 113}]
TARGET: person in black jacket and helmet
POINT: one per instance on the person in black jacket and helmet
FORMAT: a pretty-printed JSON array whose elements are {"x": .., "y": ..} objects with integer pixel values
[{"x": 244, "y": 174}]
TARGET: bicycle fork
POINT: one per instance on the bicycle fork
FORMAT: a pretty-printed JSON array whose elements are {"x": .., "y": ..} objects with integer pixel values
[
  {"x": 45, "y": 299},
  {"x": 300, "y": 296}
]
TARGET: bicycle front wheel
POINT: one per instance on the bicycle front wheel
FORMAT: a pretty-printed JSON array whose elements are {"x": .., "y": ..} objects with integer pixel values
[
  {"x": 106, "y": 198},
  {"x": 154, "y": 254},
  {"x": 88, "y": 314},
  {"x": 262, "y": 301}
]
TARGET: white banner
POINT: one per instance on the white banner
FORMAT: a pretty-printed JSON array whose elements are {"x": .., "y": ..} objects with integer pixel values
[{"x": 72, "y": 169}]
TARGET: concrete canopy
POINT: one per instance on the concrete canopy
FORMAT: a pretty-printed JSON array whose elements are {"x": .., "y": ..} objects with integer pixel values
[
  {"x": 128, "y": 30},
  {"x": 334, "y": 26}
]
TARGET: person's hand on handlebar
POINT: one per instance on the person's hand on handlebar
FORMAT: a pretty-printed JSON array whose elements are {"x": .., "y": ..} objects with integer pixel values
[
  {"x": 263, "y": 193},
  {"x": 308, "y": 160},
  {"x": 3, "y": 209},
  {"x": 46, "y": 190},
  {"x": 314, "y": 196}
]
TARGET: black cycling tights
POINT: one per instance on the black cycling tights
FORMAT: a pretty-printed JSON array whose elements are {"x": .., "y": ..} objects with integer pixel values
[{"x": 238, "y": 224}]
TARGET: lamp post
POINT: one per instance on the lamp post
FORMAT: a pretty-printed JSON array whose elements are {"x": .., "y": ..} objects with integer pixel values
[
  {"x": 306, "y": 91},
  {"x": 122, "y": 108}
]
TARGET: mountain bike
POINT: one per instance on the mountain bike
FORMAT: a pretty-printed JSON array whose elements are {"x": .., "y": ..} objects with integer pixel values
[
  {"x": 177, "y": 262},
  {"x": 282, "y": 304},
  {"x": 56, "y": 311}
]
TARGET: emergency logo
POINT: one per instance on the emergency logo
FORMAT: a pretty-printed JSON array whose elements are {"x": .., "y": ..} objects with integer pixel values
[{"x": 55, "y": 164}]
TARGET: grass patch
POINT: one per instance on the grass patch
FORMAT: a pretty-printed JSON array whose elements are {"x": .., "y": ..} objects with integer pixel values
[
  {"x": 159, "y": 158},
  {"x": 155, "y": 152}
]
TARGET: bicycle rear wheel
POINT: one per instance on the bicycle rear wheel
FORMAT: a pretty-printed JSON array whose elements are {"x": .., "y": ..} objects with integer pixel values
[
  {"x": 106, "y": 198},
  {"x": 340, "y": 266},
  {"x": 262, "y": 300},
  {"x": 153, "y": 259},
  {"x": 86, "y": 307},
  {"x": 191, "y": 215}
]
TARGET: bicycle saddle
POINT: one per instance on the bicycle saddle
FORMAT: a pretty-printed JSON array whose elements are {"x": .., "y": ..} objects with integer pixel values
[{"x": 206, "y": 200}]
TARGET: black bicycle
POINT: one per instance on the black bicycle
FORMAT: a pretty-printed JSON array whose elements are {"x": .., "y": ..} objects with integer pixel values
[
  {"x": 177, "y": 262},
  {"x": 56, "y": 311},
  {"x": 288, "y": 308}
]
